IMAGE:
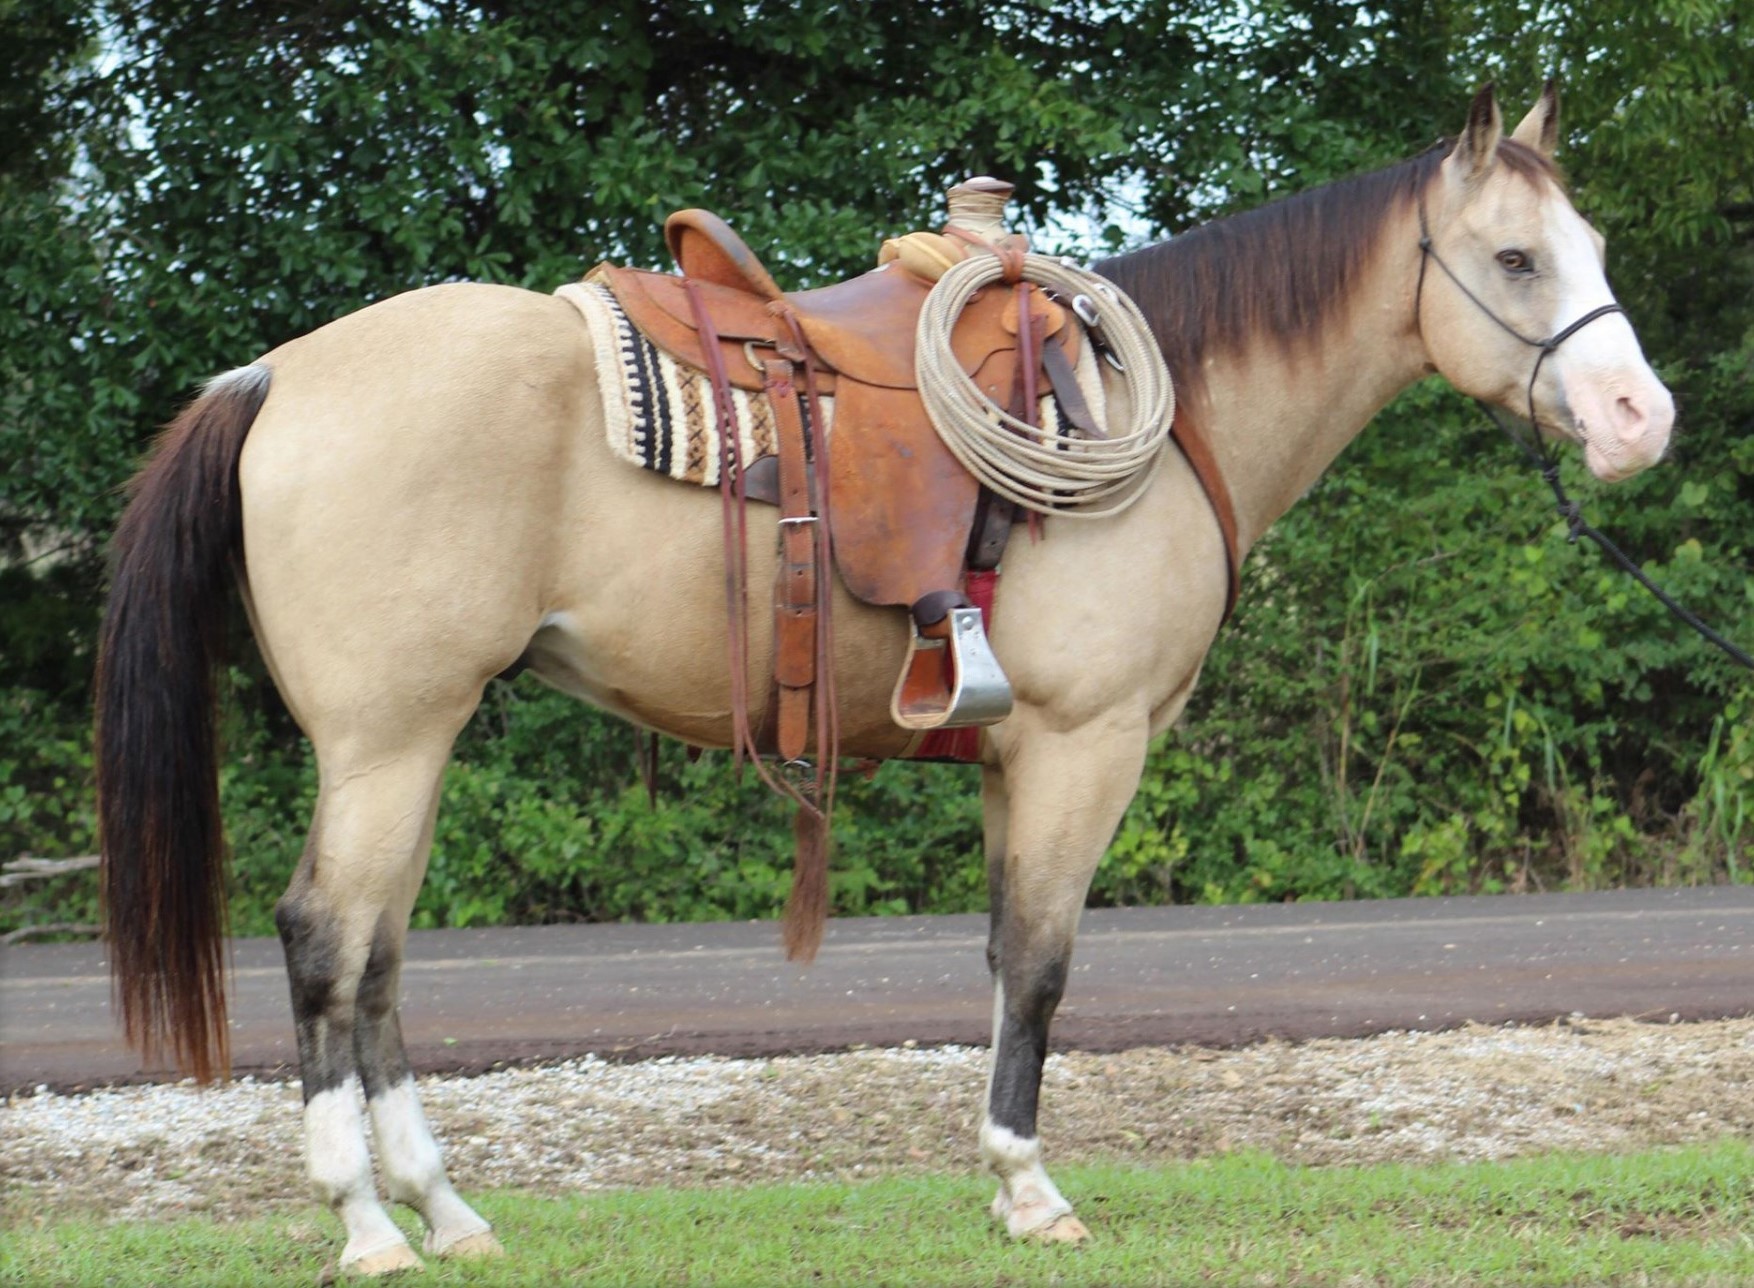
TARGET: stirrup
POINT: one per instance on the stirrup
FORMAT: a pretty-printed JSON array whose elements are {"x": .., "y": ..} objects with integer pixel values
[{"x": 951, "y": 679}]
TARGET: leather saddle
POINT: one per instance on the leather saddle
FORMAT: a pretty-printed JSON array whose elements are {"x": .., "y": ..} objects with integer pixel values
[
  {"x": 901, "y": 505},
  {"x": 900, "y": 508}
]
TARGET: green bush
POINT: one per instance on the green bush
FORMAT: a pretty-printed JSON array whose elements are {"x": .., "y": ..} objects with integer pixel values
[{"x": 1425, "y": 688}]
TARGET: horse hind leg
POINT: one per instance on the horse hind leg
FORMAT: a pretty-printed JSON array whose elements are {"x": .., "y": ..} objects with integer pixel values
[
  {"x": 343, "y": 924},
  {"x": 1063, "y": 796},
  {"x": 408, "y": 1155}
]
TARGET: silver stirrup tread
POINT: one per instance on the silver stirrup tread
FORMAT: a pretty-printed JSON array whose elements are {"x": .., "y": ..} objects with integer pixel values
[{"x": 979, "y": 692}]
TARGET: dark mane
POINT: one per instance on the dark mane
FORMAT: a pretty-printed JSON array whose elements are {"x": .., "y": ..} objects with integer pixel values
[{"x": 1280, "y": 272}]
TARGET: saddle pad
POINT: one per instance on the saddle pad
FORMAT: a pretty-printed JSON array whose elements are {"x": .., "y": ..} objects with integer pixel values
[{"x": 657, "y": 413}]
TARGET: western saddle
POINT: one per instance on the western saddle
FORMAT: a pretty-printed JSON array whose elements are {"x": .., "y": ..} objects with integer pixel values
[{"x": 901, "y": 510}]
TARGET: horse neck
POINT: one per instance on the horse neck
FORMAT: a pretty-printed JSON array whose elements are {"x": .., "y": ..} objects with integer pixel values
[{"x": 1278, "y": 417}]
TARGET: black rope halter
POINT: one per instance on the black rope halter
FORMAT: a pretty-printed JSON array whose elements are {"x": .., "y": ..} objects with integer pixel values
[{"x": 1536, "y": 450}]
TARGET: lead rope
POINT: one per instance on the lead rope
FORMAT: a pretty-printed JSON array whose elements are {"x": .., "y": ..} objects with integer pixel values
[
  {"x": 1546, "y": 462},
  {"x": 1578, "y": 526}
]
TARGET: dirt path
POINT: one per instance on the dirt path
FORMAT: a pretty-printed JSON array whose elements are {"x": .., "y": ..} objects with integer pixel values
[{"x": 153, "y": 1151}]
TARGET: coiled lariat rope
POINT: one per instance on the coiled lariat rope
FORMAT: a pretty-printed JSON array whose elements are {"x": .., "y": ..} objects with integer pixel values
[{"x": 1077, "y": 478}]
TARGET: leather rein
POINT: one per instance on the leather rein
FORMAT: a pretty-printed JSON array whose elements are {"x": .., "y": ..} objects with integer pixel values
[{"x": 1538, "y": 453}]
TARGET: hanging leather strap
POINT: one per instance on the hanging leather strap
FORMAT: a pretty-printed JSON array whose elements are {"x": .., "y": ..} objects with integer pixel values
[
  {"x": 1191, "y": 437},
  {"x": 803, "y": 638},
  {"x": 795, "y": 598},
  {"x": 734, "y": 512},
  {"x": 1064, "y": 379}
]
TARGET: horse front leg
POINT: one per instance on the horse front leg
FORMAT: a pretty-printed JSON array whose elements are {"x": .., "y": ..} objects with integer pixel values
[{"x": 1061, "y": 799}]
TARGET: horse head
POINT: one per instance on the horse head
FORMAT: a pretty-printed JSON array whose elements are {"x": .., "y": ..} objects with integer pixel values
[{"x": 1513, "y": 303}]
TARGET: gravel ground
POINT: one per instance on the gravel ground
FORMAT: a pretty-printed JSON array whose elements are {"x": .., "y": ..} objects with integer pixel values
[{"x": 1469, "y": 1094}]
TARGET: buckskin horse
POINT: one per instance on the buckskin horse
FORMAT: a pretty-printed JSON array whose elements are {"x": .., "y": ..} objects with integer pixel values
[{"x": 417, "y": 495}]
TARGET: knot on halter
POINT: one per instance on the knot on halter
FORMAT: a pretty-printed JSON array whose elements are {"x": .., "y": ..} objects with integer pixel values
[{"x": 1568, "y": 509}]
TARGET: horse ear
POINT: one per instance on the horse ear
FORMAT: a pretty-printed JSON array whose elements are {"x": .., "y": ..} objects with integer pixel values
[
  {"x": 1476, "y": 150},
  {"x": 1540, "y": 128}
]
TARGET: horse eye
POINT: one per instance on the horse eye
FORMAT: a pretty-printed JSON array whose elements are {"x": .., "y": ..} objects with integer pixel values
[{"x": 1515, "y": 261}]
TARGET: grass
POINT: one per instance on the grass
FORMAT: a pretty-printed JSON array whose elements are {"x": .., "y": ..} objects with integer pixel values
[{"x": 1664, "y": 1217}]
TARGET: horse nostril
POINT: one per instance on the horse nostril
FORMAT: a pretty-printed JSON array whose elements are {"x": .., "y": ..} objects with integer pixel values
[{"x": 1630, "y": 418}]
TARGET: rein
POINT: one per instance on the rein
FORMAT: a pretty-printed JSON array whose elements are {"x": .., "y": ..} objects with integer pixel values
[{"x": 1539, "y": 455}]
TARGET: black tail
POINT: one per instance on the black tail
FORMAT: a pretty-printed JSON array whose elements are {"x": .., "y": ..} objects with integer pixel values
[{"x": 177, "y": 548}]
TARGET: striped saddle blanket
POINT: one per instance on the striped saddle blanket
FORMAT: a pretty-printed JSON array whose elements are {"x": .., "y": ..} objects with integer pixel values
[{"x": 659, "y": 414}]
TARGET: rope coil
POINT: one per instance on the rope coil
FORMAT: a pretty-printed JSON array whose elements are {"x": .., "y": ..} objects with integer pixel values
[{"x": 1077, "y": 478}]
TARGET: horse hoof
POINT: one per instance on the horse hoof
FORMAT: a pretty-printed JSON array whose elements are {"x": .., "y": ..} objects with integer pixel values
[
  {"x": 1064, "y": 1228},
  {"x": 472, "y": 1247},
  {"x": 1030, "y": 1221},
  {"x": 386, "y": 1261}
]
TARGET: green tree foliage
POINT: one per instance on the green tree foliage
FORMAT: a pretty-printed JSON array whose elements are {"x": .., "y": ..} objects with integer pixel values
[{"x": 1424, "y": 688}]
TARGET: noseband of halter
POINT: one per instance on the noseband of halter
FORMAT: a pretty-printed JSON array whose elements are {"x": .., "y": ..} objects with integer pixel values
[{"x": 1427, "y": 254}]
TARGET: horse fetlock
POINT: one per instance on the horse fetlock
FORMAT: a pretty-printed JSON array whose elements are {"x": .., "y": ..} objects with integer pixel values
[
  {"x": 414, "y": 1170},
  {"x": 336, "y": 1158},
  {"x": 1028, "y": 1201},
  {"x": 417, "y": 1192},
  {"x": 1006, "y": 1152}
]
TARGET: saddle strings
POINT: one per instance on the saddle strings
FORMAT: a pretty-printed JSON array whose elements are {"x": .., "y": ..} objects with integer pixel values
[{"x": 733, "y": 514}]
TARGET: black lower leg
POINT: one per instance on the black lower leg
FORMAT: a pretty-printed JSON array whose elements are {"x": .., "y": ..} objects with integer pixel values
[
  {"x": 1032, "y": 992},
  {"x": 323, "y": 1025},
  {"x": 377, "y": 1031}
]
